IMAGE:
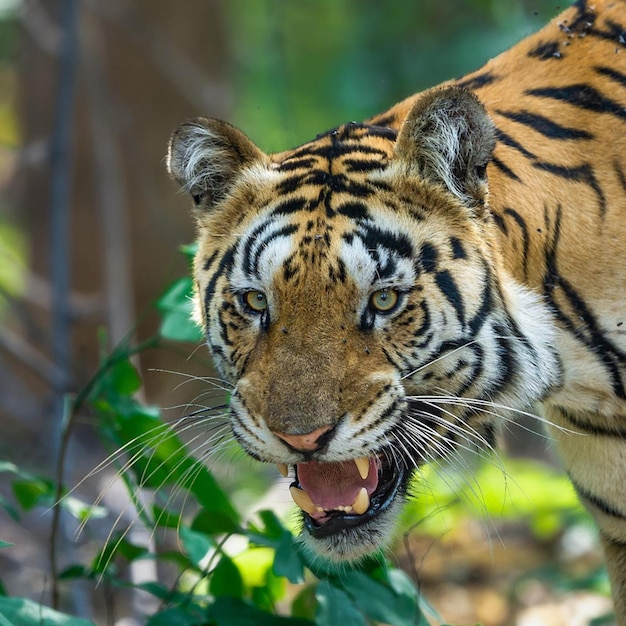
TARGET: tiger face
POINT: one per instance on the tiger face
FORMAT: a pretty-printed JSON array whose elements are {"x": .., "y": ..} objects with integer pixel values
[{"x": 351, "y": 293}]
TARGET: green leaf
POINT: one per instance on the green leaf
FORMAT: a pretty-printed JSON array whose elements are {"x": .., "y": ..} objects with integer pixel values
[
  {"x": 121, "y": 378},
  {"x": 75, "y": 571},
  {"x": 31, "y": 492},
  {"x": 304, "y": 604},
  {"x": 176, "y": 310},
  {"x": 117, "y": 546},
  {"x": 81, "y": 510},
  {"x": 165, "y": 518},
  {"x": 7, "y": 466},
  {"x": 226, "y": 580},
  {"x": 188, "y": 616},
  {"x": 23, "y": 612},
  {"x": 189, "y": 250},
  {"x": 165, "y": 461},
  {"x": 196, "y": 545},
  {"x": 381, "y": 602},
  {"x": 288, "y": 561},
  {"x": 159, "y": 591},
  {"x": 235, "y": 612},
  {"x": 215, "y": 523},
  {"x": 5, "y": 544},
  {"x": 335, "y": 607}
]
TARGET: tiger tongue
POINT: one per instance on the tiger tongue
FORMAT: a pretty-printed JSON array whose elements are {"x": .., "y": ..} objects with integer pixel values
[{"x": 334, "y": 485}]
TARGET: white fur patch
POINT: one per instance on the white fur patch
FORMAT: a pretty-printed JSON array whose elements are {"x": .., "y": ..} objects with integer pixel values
[
  {"x": 270, "y": 250},
  {"x": 202, "y": 162}
]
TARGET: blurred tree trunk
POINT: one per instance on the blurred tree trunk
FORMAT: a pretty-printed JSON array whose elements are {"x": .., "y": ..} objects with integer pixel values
[{"x": 143, "y": 67}]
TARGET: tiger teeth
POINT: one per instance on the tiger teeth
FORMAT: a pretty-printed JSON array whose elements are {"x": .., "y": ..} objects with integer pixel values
[
  {"x": 303, "y": 500},
  {"x": 362, "y": 502},
  {"x": 363, "y": 465},
  {"x": 283, "y": 469}
]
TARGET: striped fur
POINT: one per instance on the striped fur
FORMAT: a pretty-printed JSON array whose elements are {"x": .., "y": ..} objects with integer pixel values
[{"x": 501, "y": 233}]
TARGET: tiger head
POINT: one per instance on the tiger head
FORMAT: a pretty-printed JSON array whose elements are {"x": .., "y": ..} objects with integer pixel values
[{"x": 352, "y": 293}]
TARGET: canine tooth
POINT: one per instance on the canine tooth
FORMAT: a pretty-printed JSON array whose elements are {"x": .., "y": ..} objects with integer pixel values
[
  {"x": 303, "y": 500},
  {"x": 363, "y": 465},
  {"x": 362, "y": 502},
  {"x": 283, "y": 469}
]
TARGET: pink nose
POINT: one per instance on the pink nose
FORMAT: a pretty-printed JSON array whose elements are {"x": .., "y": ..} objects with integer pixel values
[{"x": 309, "y": 441}]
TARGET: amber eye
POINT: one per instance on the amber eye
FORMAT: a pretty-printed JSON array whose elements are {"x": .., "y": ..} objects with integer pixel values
[
  {"x": 384, "y": 300},
  {"x": 255, "y": 301}
]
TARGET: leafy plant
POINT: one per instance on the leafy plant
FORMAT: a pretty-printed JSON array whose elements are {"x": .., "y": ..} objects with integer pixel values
[
  {"x": 229, "y": 572},
  {"x": 214, "y": 585}
]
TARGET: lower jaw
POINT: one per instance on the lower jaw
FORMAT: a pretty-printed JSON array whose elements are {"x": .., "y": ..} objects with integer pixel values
[{"x": 353, "y": 544}]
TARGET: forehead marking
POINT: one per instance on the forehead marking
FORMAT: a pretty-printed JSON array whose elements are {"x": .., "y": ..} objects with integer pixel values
[{"x": 262, "y": 251}]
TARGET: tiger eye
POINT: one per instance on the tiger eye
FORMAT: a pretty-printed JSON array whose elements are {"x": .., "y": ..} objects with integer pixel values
[
  {"x": 255, "y": 301},
  {"x": 384, "y": 300}
]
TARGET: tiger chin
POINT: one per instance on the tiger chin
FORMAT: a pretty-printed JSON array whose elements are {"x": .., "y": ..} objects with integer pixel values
[{"x": 395, "y": 290}]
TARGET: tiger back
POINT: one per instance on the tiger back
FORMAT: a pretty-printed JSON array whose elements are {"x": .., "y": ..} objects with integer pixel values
[{"x": 395, "y": 290}]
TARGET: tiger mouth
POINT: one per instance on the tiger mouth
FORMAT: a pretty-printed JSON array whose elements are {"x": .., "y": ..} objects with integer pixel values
[{"x": 340, "y": 496}]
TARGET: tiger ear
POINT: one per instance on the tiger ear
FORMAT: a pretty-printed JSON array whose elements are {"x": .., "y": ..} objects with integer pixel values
[
  {"x": 449, "y": 139},
  {"x": 206, "y": 155}
]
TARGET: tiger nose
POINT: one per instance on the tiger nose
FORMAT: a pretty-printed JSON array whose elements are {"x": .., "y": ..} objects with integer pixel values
[{"x": 314, "y": 440}]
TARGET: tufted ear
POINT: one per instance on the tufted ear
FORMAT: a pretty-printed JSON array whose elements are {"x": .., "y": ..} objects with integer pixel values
[
  {"x": 205, "y": 156},
  {"x": 449, "y": 139}
]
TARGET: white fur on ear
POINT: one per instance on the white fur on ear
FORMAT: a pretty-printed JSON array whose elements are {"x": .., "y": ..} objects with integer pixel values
[
  {"x": 206, "y": 155},
  {"x": 449, "y": 138}
]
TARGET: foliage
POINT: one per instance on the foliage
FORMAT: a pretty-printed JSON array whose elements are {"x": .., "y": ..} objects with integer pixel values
[
  {"x": 309, "y": 65},
  {"x": 216, "y": 584}
]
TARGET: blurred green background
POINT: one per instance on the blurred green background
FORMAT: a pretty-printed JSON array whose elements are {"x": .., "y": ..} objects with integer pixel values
[{"x": 282, "y": 71}]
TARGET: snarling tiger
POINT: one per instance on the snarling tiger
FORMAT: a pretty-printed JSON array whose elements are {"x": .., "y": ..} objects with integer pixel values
[{"x": 379, "y": 296}]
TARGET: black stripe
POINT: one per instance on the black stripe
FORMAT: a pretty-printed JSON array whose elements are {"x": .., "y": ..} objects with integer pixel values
[
  {"x": 591, "y": 427},
  {"x": 544, "y": 125},
  {"x": 209, "y": 260},
  {"x": 546, "y": 51},
  {"x": 287, "y": 207},
  {"x": 362, "y": 165},
  {"x": 521, "y": 223},
  {"x": 507, "y": 140},
  {"x": 252, "y": 264},
  {"x": 581, "y": 174},
  {"x": 354, "y": 210},
  {"x": 428, "y": 258},
  {"x": 381, "y": 131},
  {"x": 336, "y": 150},
  {"x": 599, "y": 503},
  {"x": 374, "y": 237},
  {"x": 615, "y": 33},
  {"x": 582, "y": 324},
  {"x": 582, "y": 96},
  {"x": 224, "y": 266},
  {"x": 478, "y": 81},
  {"x": 296, "y": 163},
  {"x": 448, "y": 287},
  {"x": 486, "y": 304},
  {"x": 505, "y": 169},
  {"x": 620, "y": 174},
  {"x": 613, "y": 74},
  {"x": 458, "y": 251}
]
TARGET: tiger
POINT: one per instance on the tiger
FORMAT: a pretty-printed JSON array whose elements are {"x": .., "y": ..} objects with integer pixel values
[{"x": 395, "y": 290}]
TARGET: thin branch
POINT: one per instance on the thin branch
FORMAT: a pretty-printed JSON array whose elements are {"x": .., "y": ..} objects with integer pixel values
[{"x": 60, "y": 211}]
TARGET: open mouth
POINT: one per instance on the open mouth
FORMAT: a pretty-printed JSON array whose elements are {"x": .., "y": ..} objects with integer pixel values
[{"x": 336, "y": 497}]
